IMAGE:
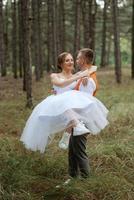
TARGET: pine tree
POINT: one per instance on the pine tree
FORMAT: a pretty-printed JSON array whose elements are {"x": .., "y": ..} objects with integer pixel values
[{"x": 116, "y": 41}]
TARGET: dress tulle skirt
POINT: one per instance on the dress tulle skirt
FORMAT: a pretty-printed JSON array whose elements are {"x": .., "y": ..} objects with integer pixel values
[{"x": 57, "y": 112}]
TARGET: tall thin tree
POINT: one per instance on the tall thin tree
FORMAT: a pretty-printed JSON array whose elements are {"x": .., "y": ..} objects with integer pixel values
[
  {"x": 92, "y": 22},
  {"x": 25, "y": 4},
  {"x": 6, "y": 36},
  {"x": 36, "y": 38},
  {"x": 49, "y": 34},
  {"x": 85, "y": 20},
  {"x": 61, "y": 24},
  {"x": 77, "y": 6},
  {"x": 54, "y": 32},
  {"x": 40, "y": 37},
  {"x": 20, "y": 38},
  {"x": 109, "y": 44},
  {"x": 52, "y": 35},
  {"x": 103, "y": 50},
  {"x": 14, "y": 39},
  {"x": 2, "y": 63},
  {"x": 133, "y": 42},
  {"x": 116, "y": 41}
]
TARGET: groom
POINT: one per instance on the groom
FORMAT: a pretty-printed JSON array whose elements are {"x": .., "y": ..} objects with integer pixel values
[{"x": 77, "y": 157}]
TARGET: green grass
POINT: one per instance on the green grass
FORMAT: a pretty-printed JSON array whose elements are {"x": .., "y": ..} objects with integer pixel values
[{"x": 26, "y": 175}]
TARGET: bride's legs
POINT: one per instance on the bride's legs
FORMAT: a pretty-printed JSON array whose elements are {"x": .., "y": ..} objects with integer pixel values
[
  {"x": 72, "y": 117},
  {"x": 73, "y": 121},
  {"x": 64, "y": 141},
  {"x": 75, "y": 124}
]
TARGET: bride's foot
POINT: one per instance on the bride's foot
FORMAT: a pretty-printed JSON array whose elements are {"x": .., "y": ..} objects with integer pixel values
[
  {"x": 80, "y": 129},
  {"x": 63, "y": 143}
]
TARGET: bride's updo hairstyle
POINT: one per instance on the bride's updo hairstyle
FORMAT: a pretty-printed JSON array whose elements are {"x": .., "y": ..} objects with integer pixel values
[{"x": 61, "y": 59}]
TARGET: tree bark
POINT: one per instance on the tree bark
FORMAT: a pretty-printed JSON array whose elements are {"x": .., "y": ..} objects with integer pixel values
[
  {"x": 20, "y": 36},
  {"x": 85, "y": 11},
  {"x": 116, "y": 42},
  {"x": 108, "y": 48},
  {"x": 14, "y": 39},
  {"x": 61, "y": 26},
  {"x": 104, "y": 29},
  {"x": 2, "y": 63},
  {"x": 92, "y": 20},
  {"x": 27, "y": 50},
  {"x": 49, "y": 36},
  {"x": 40, "y": 38},
  {"x": 132, "y": 75},
  {"x": 6, "y": 38},
  {"x": 77, "y": 6},
  {"x": 37, "y": 39},
  {"x": 54, "y": 33}
]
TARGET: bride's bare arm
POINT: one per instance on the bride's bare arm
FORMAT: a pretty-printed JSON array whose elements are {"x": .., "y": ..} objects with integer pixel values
[{"x": 55, "y": 80}]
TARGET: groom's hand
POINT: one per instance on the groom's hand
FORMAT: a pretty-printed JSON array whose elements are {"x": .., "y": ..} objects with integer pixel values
[{"x": 85, "y": 81}]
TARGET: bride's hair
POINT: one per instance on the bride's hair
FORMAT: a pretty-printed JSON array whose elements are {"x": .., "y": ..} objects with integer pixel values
[{"x": 61, "y": 59}]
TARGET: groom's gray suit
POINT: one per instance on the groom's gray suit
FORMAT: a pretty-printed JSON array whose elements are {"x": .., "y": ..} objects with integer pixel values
[{"x": 78, "y": 159}]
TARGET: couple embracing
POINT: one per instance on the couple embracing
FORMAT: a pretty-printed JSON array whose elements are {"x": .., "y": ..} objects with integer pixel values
[{"x": 72, "y": 109}]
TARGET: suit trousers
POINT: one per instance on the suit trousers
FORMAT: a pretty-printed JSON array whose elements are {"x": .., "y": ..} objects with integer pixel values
[{"x": 77, "y": 156}]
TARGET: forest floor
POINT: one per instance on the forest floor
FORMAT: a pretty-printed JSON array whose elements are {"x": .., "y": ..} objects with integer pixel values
[{"x": 26, "y": 175}]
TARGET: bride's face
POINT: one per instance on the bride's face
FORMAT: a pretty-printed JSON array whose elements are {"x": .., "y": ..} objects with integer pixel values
[{"x": 68, "y": 63}]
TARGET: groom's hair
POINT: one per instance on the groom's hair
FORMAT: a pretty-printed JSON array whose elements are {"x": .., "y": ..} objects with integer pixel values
[{"x": 87, "y": 54}]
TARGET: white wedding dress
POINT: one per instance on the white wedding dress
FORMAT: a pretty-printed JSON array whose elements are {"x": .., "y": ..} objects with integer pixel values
[{"x": 55, "y": 113}]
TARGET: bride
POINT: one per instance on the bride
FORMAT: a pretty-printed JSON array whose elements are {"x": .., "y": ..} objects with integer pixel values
[{"x": 68, "y": 108}]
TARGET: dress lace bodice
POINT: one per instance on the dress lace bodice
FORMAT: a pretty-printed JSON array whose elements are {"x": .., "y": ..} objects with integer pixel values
[{"x": 60, "y": 90}]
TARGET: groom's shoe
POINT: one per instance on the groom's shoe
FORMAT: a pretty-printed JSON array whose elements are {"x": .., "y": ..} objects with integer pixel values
[
  {"x": 80, "y": 129},
  {"x": 67, "y": 182}
]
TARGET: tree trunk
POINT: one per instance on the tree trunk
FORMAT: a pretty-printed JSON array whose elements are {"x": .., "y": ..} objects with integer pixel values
[
  {"x": 36, "y": 37},
  {"x": 61, "y": 26},
  {"x": 85, "y": 11},
  {"x": 133, "y": 42},
  {"x": 14, "y": 39},
  {"x": 20, "y": 40},
  {"x": 93, "y": 23},
  {"x": 116, "y": 41},
  {"x": 54, "y": 33},
  {"x": 108, "y": 48},
  {"x": 35, "y": 55},
  {"x": 2, "y": 63},
  {"x": 77, "y": 6},
  {"x": 49, "y": 36},
  {"x": 6, "y": 38},
  {"x": 27, "y": 50},
  {"x": 40, "y": 38},
  {"x": 103, "y": 50},
  {"x": 23, "y": 41},
  {"x": 91, "y": 18}
]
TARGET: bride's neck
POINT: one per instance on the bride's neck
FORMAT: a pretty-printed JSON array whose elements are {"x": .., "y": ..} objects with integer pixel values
[{"x": 67, "y": 73}]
